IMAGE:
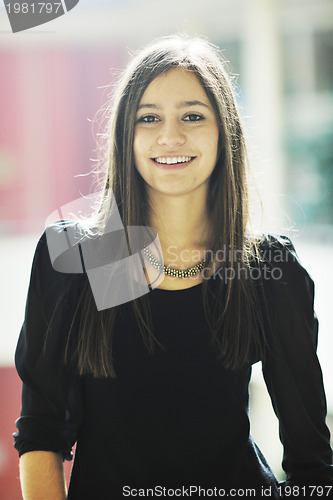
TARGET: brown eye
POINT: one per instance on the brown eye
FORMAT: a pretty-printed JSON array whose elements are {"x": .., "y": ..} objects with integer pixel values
[
  {"x": 148, "y": 119},
  {"x": 193, "y": 117}
]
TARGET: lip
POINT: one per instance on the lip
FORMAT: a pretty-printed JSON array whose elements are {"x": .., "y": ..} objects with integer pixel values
[{"x": 172, "y": 166}]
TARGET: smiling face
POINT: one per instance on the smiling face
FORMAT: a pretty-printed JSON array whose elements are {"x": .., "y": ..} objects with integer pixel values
[{"x": 176, "y": 135}]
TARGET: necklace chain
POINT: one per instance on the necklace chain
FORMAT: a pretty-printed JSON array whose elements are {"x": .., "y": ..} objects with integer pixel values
[{"x": 170, "y": 271}]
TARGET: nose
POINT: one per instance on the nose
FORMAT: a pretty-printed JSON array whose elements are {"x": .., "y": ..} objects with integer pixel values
[{"x": 171, "y": 135}]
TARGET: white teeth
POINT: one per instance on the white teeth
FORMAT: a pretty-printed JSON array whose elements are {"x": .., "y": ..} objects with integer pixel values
[{"x": 174, "y": 160}]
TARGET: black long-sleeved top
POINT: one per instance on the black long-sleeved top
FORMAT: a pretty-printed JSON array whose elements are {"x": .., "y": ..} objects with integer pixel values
[{"x": 176, "y": 418}]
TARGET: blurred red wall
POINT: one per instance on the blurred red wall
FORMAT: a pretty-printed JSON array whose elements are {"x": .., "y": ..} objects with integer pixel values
[{"x": 48, "y": 98}]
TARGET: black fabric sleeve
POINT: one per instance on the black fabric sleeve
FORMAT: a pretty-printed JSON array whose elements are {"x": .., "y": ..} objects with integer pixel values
[
  {"x": 51, "y": 393},
  {"x": 293, "y": 374}
]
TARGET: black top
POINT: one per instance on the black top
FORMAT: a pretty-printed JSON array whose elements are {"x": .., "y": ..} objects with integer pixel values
[{"x": 178, "y": 417}]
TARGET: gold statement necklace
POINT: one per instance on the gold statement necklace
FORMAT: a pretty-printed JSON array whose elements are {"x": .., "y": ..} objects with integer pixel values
[{"x": 170, "y": 271}]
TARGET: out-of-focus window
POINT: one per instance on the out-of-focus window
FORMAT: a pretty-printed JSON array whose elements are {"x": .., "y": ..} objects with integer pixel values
[
  {"x": 323, "y": 48},
  {"x": 308, "y": 134}
]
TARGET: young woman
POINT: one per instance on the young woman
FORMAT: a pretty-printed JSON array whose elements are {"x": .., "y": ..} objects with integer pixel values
[{"x": 154, "y": 390}]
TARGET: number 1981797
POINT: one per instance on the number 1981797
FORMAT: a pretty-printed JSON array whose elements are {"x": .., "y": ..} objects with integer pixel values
[{"x": 33, "y": 8}]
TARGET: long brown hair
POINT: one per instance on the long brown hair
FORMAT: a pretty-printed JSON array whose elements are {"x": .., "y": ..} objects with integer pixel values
[{"x": 234, "y": 308}]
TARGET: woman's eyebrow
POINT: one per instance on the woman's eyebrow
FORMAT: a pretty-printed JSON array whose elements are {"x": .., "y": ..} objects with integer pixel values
[
  {"x": 183, "y": 104},
  {"x": 187, "y": 104},
  {"x": 148, "y": 106}
]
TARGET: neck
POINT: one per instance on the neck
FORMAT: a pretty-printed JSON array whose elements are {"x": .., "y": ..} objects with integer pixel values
[{"x": 180, "y": 221}]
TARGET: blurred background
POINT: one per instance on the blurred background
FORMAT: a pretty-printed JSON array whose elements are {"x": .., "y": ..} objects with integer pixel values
[{"x": 56, "y": 76}]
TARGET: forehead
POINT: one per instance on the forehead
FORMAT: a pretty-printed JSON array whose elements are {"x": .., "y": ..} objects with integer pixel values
[{"x": 175, "y": 85}]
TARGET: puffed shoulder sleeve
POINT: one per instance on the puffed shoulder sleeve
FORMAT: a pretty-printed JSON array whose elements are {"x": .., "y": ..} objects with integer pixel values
[
  {"x": 51, "y": 393},
  {"x": 292, "y": 371}
]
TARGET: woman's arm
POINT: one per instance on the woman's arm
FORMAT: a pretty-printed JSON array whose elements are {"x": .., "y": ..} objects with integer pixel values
[
  {"x": 42, "y": 476},
  {"x": 293, "y": 375},
  {"x": 52, "y": 391}
]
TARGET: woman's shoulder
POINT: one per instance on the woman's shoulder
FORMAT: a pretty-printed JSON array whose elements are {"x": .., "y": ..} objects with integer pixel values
[
  {"x": 273, "y": 249},
  {"x": 272, "y": 242},
  {"x": 56, "y": 260},
  {"x": 282, "y": 270},
  {"x": 286, "y": 290},
  {"x": 62, "y": 240}
]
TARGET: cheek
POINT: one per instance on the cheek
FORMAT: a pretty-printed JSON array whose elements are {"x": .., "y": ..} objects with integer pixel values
[
  {"x": 135, "y": 143},
  {"x": 141, "y": 145},
  {"x": 215, "y": 142},
  {"x": 137, "y": 150},
  {"x": 211, "y": 146}
]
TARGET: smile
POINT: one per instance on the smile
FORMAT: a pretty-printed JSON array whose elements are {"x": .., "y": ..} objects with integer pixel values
[{"x": 173, "y": 160}]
